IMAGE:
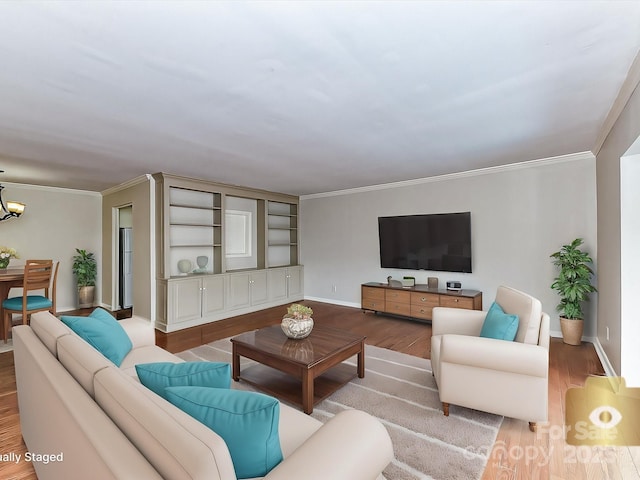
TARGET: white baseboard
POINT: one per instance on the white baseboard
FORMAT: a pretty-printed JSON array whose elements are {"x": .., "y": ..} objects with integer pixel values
[
  {"x": 606, "y": 364},
  {"x": 333, "y": 301}
]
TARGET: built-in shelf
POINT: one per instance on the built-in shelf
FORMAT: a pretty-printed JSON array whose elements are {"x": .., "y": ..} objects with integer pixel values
[{"x": 194, "y": 220}]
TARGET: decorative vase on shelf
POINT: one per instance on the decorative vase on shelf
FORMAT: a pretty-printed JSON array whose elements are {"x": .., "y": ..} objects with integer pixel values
[
  {"x": 202, "y": 261},
  {"x": 297, "y": 323},
  {"x": 184, "y": 266},
  {"x": 4, "y": 263}
]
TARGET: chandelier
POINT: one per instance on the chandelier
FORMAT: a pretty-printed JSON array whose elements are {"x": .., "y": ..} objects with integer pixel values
[{"x": 9, "y": 209}]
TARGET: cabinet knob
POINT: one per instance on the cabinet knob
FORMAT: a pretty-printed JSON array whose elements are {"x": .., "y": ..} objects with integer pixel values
[{"x": 423, "y": 299}]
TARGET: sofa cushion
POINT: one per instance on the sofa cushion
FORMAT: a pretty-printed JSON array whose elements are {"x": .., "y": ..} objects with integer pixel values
[
  {"x": 48, "y": 329},
  {"x": 247, "y": 421},
  {"x": 81, "y": 360},
  {"x": 157, "y": 376},
  {"x": 103, "y": 332},
  {"x": 499, "y": 325},
  {"x": 146, "y": 354},
  {"x": 176, "y": 444}
]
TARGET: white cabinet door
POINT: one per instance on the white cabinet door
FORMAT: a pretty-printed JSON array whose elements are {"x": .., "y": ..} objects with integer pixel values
[
  {"x": 212, "y": 294},
  {"x": 259, "y": 287},
  {"x": 184, "y": 300},
  {"x": 277, "y": 279},
  {"x": 239, "y": 290},
  {"x": 295, "y": 283}
]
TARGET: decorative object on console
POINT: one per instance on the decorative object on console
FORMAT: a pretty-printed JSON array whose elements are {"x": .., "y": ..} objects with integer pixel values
[
  {"x": 432, "y": 282},
  {"x": 6, "y": 254},
  {"x": 408, "y": 281},
  {"x": 395, "y": 283},
  {"x": 184, "y": 266},
  {"x": 85, "y": 269},
  {"x": 297, "y": 323},
  {"x": 573, "y": 283},
  {"x": 456, "y": 286},
  {"x": 11, "y": 209}
]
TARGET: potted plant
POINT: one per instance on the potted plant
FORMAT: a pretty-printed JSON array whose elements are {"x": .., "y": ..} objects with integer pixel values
[
  {"x": 297, "y": 323},
  {"x": 6, "y": 254},
  {"x": 573, "y": 283},
  {"x": 85, "y": 269}
]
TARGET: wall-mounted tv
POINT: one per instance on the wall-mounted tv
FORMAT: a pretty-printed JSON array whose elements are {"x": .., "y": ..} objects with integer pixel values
[{"x": 439, "y": 242}]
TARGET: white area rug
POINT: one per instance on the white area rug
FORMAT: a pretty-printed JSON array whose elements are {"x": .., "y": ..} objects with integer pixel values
[
  {"x": 6, "y": 347},
  {"x": 399, "y": 390}
]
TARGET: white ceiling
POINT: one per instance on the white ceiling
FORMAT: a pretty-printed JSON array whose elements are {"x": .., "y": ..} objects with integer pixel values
[{"x": 302, "y": 97}]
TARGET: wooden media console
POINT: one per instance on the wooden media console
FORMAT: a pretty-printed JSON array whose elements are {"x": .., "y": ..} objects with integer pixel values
[{"x": 415, "y": 302}]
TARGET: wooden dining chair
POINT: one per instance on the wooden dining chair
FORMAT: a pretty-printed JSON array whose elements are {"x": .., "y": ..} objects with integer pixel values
[{"x": 38, "y": 275}]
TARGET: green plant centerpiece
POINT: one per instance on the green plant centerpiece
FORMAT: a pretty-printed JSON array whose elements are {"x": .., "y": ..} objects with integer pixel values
[
  {"x": 85, "y": 269},
  {"x": 573, "y": 284},
  {"x": 297, "y": 323},
  {"x": 6, "y": 254}
]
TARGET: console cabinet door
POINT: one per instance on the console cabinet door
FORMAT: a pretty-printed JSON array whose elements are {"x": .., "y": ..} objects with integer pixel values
[
  {"x": 277, "y": 279},
  {"x": 184, "y": 300},
  {"x": 239, "y": 290},
  {"x": 212, "y": 294},
  {"x": 295, "y": 283},
  {"x": 258, "y": 287},
  {"x": 247, "y": 289}
]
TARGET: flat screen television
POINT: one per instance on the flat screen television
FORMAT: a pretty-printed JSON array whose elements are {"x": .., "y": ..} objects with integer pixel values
[{"x": 439, "y": 242}]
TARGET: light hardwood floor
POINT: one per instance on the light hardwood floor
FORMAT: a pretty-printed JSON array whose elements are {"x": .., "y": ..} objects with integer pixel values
[{"x": 517, "y": 453}]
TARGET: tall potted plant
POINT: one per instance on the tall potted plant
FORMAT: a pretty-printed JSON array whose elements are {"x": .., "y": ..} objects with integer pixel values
[
  {"x": 85, "y": 269},
  {"x": 573, "y": 283}
]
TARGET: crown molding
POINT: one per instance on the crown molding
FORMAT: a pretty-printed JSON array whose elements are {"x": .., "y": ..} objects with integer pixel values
[
  {"x": 126, "y": 185},
  {"x": 626, "y": 90},
  {"x": 73, "y": 191},
  {"x": 572, "y": 157}
]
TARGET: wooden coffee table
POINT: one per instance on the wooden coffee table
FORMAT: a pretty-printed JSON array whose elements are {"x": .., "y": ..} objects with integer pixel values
[{"x": 284, "y": 364}]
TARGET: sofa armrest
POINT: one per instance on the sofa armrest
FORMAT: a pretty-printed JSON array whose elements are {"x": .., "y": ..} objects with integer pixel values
[
  {"x": 351, "y": 446},
  {"x": 457, "y": 321},
  {"x": 497, "y": 355},
  {"x": 140, "y": 331}
]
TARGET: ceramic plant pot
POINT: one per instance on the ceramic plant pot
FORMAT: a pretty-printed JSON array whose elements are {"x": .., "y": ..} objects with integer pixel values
[
  {"x": 86, "y": 296},
  {"x": 571, "y": 330},
  {"x": 296, "y": 328}
]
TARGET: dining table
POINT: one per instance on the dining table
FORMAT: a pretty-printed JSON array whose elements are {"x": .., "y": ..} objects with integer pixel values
[{"x": 12, "y": 277}]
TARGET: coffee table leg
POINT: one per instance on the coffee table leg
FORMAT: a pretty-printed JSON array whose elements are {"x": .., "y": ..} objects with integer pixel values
[
  {"x": 307, "y": 392},
  {"x": 235, "y": 363},
  {"x": 361, "y": 361}
]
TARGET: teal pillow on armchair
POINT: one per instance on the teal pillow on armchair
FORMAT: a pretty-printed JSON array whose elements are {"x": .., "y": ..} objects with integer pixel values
[{"x": 499, "y": 325}]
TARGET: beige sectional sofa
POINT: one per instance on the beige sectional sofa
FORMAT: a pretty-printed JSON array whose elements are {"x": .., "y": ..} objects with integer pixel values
[{"x": 96, "y": 420}]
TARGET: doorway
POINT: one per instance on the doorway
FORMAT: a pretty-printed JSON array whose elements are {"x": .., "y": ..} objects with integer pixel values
[{"x": 124, "y": 278}]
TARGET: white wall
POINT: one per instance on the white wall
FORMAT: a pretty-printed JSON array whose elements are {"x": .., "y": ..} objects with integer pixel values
[
  {"x": 630, "y": 265},
  {"x": 520, "y": 214},
  {"x": 55, "y": 222},
  {"x": 624, "y": 132}
]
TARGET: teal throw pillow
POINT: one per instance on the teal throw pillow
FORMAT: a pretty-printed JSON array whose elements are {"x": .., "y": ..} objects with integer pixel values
[
  {"x": 246, "y": 421},
  {"x": 157, "y": 376},
  {"x": 103, "y": 332},
  {"x": 500, "y": 325}
]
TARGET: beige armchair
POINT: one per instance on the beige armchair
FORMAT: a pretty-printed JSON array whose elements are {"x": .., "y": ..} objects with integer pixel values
[{"x": 496, "y": 376}]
